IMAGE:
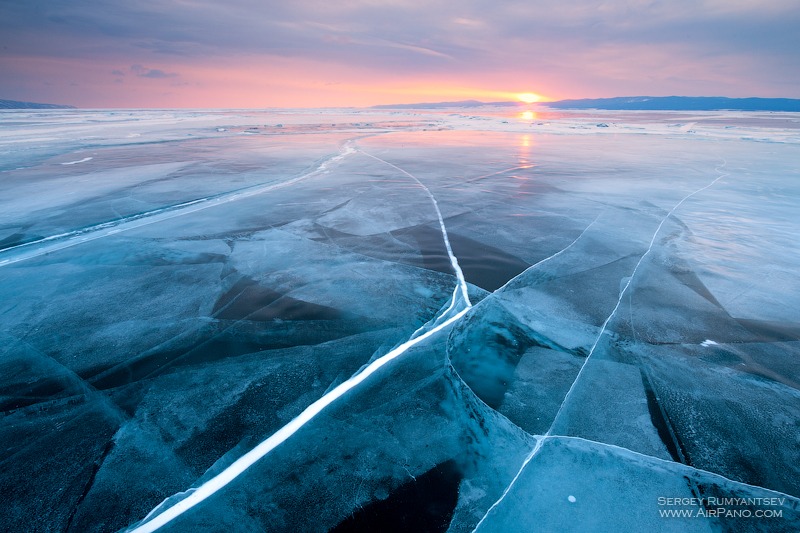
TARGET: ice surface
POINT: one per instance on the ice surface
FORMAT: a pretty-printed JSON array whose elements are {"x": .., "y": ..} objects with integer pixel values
[
  {"x": 349, "y": 320},
  {"x": 578, "y": 485}
]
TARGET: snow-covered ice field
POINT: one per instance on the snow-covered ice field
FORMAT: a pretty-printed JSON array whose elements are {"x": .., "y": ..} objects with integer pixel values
[{"x": 362, "y": 320}]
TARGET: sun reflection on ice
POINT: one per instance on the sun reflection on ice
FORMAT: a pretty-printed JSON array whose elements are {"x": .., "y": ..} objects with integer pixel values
[{"x": 524, "y": 154}]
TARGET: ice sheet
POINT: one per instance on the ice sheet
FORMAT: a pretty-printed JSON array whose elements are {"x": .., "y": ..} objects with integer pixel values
[{"x": 338, "y": 320}]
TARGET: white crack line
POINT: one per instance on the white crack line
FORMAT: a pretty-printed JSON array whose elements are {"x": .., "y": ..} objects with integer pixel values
[
  {"x": 541, "y": 440},
  {"x": 546, "y": 259},
  {"x": 46, "y": 245},
  {"x": 453, "y": 261},
  {"x": 238, "y": 467},
  {"x": 672, "y": 465},
  {"x": 539, "y": 443}
]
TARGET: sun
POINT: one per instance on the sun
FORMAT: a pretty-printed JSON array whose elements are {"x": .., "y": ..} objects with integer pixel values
[{"x": 528, "y": 98}]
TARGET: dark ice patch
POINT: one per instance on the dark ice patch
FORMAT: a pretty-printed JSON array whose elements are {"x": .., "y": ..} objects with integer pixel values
[
  {"x": 231, "y": 341},
  {"x": 769, "y": 331},
  {"x": 247, "y": 300},
  {"x": 486, "y": 350},
  {"x": 485, "y": 266},
  {"x": 423, "y": 246},
  {"x": 690, "y": 279},
  {"x": 660, "y": 420},
  {"x": 17, "y": 395},
  {"x": 425, "y": 504},
  {"x": 430, "y": 244},
  {"x": 31, "y": 377},
  {"x": 16, "y": 239}
]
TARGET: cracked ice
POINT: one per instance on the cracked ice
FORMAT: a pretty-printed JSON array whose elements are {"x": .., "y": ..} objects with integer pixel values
[{"x": 439, "y": 322}]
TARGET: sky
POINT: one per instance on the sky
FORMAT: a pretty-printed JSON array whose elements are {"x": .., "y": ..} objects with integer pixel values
[{"x": 326, "y": 53}]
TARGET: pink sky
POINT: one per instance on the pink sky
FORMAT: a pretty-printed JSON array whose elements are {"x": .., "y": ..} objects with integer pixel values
[{"x": 244, "y": 53}]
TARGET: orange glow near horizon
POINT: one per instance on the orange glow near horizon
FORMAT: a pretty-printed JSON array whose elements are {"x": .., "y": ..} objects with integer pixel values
[
  {"x": 274, "y": 82},
  {"x": 441, "y": 90}
]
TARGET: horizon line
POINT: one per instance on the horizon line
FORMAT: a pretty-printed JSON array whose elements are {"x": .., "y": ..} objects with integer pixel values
[{"x": 411, "y": 105}]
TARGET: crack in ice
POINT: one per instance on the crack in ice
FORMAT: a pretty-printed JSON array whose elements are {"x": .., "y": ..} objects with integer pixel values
[
  {"x": 542, "y": 439},
  {"x": 547, "y": 435},
  {"x": 239, "y": 466},
  {"x": 194, "y": 496},
  {"x": 52, "y": 243},
  {"x": 667, "y": 463},
  {"x": 453, "y": 261},
  {"x": 548, "y": 258},
  {"x": 85, "y": 159},
  {"x": 625, "y": 289},
  {"x": 490, "y": 175}
]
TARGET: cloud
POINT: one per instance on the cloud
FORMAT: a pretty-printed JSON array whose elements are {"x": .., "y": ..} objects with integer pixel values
[
  {"x": 117, "y": 72},
  {"x": 477, "y": 33},
  {"x": 154, "y": 73},
  {"x": 587, "y": 44}
]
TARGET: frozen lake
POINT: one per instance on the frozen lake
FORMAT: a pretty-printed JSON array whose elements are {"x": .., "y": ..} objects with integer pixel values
[{"x": 362, "y": 320}]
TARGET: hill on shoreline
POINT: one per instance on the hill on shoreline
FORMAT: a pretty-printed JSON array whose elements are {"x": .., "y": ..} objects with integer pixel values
[
  {"x": 13, "y": 104},
  {"x": 680, "y": 103}
]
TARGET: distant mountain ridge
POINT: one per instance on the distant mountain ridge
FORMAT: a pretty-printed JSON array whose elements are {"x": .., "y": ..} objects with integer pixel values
[
  {"x": 679, "y": 103},
  {"x": 13, "y": 104}
]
